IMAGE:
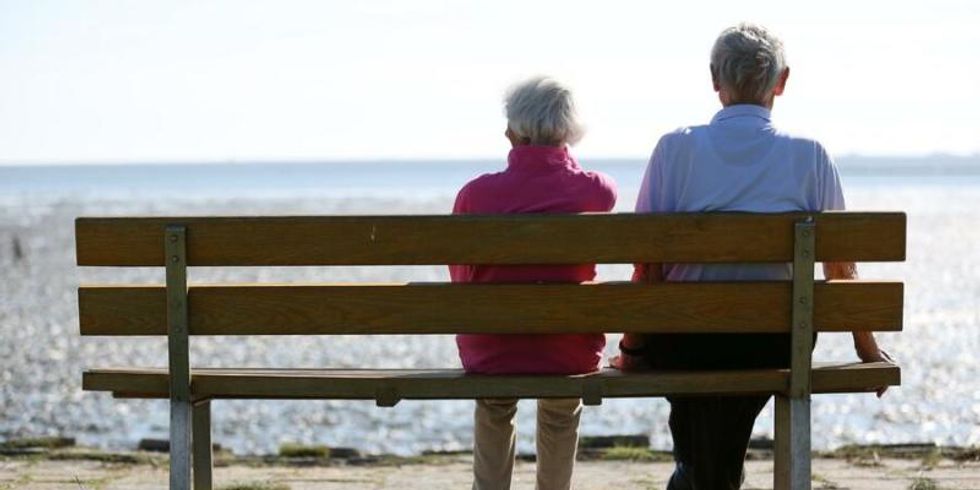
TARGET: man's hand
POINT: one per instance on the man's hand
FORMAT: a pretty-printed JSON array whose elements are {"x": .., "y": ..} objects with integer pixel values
[
  {"x": 868, "y": 351},
  {"x": 864, "y": 342},
  {"x": 875, "y": 355}
]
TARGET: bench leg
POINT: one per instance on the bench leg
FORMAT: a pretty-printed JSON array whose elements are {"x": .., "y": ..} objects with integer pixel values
[
  {"x": 180, "y": 445},
  {"x": 203, "y": 465},
  {"x": 792, "y": 458}
]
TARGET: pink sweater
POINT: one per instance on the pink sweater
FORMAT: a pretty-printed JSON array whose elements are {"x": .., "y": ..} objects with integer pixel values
[{"x": 538, "y": 179}]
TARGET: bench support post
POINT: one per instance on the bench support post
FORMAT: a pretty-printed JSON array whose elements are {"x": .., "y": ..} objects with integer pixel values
[
  {"x": 792, "y": 444},
  {"x": 792, "y": 465},
  {"x": 203, "y": 465},
  {"x": 175, "y": 246}
]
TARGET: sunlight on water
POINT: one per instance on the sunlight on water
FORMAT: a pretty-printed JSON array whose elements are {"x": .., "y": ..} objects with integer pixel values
[{"x": 42, "y": 356}]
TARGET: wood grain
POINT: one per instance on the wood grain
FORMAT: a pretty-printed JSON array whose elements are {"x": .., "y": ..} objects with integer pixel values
[
  {"x": 455, "y": 384},
  {"x": 500, "y": 239},
  {"x": 441, "y": 308}
]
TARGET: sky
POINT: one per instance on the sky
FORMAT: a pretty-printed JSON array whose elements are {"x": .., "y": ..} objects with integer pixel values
[{"x": 190, "y": 81}]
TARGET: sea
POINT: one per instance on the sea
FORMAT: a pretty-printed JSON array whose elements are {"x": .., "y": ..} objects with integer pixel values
[{"x": 42, "y": 355}]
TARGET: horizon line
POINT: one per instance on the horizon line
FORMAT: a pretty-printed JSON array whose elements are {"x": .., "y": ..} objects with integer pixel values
[{"x": 410, "y": 160}]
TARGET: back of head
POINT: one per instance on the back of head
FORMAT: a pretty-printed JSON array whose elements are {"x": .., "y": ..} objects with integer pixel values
[
  {"x": 747, "y": 60},
  {"x": 541, "y": 111}
]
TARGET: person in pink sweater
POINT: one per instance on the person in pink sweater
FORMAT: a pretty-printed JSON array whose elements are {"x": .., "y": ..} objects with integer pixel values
[{"x": 541, "y": 177}]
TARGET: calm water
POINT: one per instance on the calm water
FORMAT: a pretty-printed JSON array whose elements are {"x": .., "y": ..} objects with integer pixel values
[{"x": 41, "y": 354}]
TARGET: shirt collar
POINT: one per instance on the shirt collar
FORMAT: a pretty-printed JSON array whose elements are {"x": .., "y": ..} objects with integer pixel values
[
  {"x": 743, "y": 112},
  {"x": 540, "y": 157}
]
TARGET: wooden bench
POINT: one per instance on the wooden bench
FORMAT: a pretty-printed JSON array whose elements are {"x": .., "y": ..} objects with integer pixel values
[{"x": 802, "y": 306}]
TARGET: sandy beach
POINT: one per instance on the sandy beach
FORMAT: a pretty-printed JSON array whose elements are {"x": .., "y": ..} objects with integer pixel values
[{"x": 139, "y": 471}]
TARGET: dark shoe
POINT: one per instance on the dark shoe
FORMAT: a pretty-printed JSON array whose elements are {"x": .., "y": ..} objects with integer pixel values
[{"x": 680, "y": 479}]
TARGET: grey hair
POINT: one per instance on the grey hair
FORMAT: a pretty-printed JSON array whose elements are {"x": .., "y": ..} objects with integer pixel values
[
  {"x": 541, "y": 110},
  {"x": 748, "y": 59}
]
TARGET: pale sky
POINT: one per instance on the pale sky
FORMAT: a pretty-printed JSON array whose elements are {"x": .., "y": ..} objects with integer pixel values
[{"x": 146, "y": 81}]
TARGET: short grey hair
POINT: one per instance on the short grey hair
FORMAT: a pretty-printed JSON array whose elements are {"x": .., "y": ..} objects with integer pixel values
[
  {"x": 541, "y": 110},
  {"x": 748, "y": 59}
]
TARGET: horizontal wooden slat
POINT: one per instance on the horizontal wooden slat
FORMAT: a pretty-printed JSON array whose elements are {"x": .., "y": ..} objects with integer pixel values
[
  {"x": 454, "y": 384},
  {"x": 501, "y": 239},
  {"x": 441, "y": 308}
]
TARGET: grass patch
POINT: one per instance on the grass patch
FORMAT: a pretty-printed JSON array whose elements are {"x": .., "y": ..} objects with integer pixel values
[
  {"x": 628, "y": 453},
  {"x": 90, "y": 484},
  {"x": 38, "y": 442},
  {"x": 22, "y": 480},
  {"x": 823, "y": 483},
  {"x": 291, "y": 450},
  {"x": 606, "y": 442},
  {"x": 860, "y": 456},
  {"x": 896, "y": 451},
  {"x": 932, "y": 459},
  {"x": 107, "y": 457},
  {"x": 920, "y": 483},
  {"x": 865, "y": 462},
  {"x": 255, "y": 486},
  {"x": 855, "y": 452},
  {"x": 427, "y": 459}
]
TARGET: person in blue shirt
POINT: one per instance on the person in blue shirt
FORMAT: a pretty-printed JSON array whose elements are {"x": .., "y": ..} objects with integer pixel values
[{"x": 737, "y": 162}]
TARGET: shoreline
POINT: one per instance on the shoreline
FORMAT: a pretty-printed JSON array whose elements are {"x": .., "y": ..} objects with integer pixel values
[{"x": 591, "y": 448}]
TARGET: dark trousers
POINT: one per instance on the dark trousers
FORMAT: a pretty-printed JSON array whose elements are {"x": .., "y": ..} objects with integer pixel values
[{"x": 711, "y": 433}]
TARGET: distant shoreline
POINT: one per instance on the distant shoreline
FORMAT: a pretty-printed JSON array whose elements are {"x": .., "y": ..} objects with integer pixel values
[{"x": 929, "y": 163}]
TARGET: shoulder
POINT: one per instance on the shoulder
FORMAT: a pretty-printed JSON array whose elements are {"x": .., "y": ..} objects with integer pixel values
[
  {"x": 472, "y": 194},
  {"x": 594, "y": 190},
  {"x": 803, "y": 144},
  {"x": 603, "y": 188},
  {"x": 482, "y": 183},
  {"x": 676, "y": 143},
  {"x": 681, "y": 136},
  {"x": 599, "y": 180}
]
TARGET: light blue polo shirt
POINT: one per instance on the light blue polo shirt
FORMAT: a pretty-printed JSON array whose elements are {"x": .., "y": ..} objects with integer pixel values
[{"x": 738, "y": 162}]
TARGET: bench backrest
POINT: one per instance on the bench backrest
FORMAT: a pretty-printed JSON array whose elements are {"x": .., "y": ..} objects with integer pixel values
[
  {"x": 247, "y": 309},
  {"x": 799, "y": 307}
]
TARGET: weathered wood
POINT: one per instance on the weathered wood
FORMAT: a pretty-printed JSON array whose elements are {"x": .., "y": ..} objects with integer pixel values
[
  {"x": 175, "y": 248},
  {"x": 363, "y": 384},
  {"x": 500, "y": 239},
  {"x": 491, "y": 308},
  {"x": 800, "y": 307},
  {"x": 203, "y": 461},
  {"x": 837, "y": 378},
  {"x": 791, "y": 470}
]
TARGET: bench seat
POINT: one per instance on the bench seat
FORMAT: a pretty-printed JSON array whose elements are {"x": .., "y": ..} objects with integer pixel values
[{"x": 387, "y": 386}]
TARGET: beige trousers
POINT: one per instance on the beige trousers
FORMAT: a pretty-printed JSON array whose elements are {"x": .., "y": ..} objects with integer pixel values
[{"x": 495, "y": 438}]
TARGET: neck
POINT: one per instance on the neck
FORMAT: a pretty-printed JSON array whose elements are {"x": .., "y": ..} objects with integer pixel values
[
  {"x": 727, "y": 100},
  {"x": 523, "y": 144}
]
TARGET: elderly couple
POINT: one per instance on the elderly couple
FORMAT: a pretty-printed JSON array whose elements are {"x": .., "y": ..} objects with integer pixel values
[{"x": 737, "y": 162}]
